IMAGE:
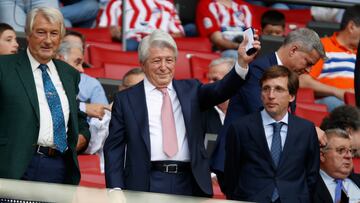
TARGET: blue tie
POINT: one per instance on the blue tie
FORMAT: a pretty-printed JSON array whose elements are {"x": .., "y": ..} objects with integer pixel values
[
  {"x": 57, "y": 115},
  {"x": 276, "y": 152},
  {"x": 338, "y": 190}
]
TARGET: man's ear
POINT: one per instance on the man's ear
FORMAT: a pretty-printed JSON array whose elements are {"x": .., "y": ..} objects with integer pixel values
[
  {"x": 292, "y": 98},
  {"x": 293, "y": 48},
  {"x": 322, "y": 157},
  {"x": 60, "y": 57}
]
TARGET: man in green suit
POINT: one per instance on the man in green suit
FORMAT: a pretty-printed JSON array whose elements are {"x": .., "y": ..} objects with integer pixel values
[{"x": 39, "y": 119}]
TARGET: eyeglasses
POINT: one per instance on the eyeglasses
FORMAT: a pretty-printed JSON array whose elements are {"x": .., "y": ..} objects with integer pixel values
[
  {"x": 342, "y": 150},
  {"x": 276, "y": 90}
]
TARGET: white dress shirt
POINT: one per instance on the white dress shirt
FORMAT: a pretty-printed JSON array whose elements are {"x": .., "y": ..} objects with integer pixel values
[
  {"x": 46, "y": 136},
  {"x": 269, "y": 129},
  {"x": 154, "y": 100},
  {"x": 351, "y": 189},
  {"x": 279, "y": 62}
]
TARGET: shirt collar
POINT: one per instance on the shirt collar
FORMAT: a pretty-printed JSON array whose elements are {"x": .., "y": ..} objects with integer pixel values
[
  {"x": 334, "y": 40},
  {"x": 150, "y": 87},
  {"x": 268, "y": 120},
  {"x": 279, "y": 62},
  {"x": 35, "y": 64}
]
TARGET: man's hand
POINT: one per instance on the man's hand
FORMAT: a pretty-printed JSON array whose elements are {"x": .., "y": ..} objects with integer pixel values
[
  {"x": 243, "y": 58},
  {"x": 96, "y": 110},
  {"x": 339, "y": 93},
  {"x": 321, "y": 136},
  {"x": 82, "y": 143}
]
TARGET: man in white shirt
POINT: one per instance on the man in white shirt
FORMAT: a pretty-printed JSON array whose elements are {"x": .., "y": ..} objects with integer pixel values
[
  {"x": 155, "y": 141},
  {"x": 337, "y": 180}
]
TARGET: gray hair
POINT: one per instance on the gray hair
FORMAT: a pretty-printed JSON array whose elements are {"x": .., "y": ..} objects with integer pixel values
[
  {"x": 157, "y": 38},
  {"x": 335, "y": 132},
  {"x": 218, "y": 61},
  {"x": 307, "y": 39},
  {"x": 65, "y": 48},
  {"x": 53, "y": 15}
]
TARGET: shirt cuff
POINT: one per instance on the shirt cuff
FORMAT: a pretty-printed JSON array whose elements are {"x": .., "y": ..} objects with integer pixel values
[
  {"x": 82, "y": 106},
  {"x": 241, "y": 71}
]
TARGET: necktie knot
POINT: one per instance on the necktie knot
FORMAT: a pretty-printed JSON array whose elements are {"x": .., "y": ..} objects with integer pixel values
[
  {"x": 277, "y": 126},
  {"x": 163, "y": 90},
  {"x": 43, "y": 67}
]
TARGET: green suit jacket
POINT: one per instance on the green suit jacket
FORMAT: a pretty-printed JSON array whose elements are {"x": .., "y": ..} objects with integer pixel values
[{"x": 19, "y": 116}]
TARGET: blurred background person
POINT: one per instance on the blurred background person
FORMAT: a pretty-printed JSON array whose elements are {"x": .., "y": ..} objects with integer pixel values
[
  {"x": 13, "y": 12},
  {"x": 155, "y": 14},
  {"x": 91, "y": 92},
  {"x": 8, "y": 42},
  {"x": 223, "y": 22},
  {"x": 331, "y": 78},
  {"x": 79, "y": 13},
  {"x": 346, "y": 118},
  {"x": 273, "y": 23}
]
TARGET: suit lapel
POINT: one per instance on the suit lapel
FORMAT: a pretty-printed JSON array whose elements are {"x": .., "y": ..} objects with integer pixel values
[
  {"x": 323, "y": 192},
  {"x": 290, "y": 139},
  {"x": 258, "y": 133},
  {"x": 25, "y": 73},
  {"x": 138, "y": 105},
  {"x": 185, "y": 103}
]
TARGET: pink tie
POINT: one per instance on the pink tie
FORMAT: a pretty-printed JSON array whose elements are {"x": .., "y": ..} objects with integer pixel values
[{"x": 170, "y": 145}]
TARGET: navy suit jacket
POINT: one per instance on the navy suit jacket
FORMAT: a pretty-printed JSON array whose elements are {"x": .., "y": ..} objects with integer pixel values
[
  {"x": 127, "y": 148},
  {"x": 247, "y": 100},
  {"x": 251, "y": 175},
  {"x": 322, "y": 194}
]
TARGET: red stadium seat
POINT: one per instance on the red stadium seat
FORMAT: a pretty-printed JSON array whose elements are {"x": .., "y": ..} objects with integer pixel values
[
  {"x": 315, "y": 116},
  {"x": 193, "y": 44},
  {"x": 95, "y": 72},
  {"x": 356, "y": 162},
  {"x": 349, "y": 99},
  {"x": 106, "y": 45},
  {"x": 95, "y": 34},
  {"x": 183, "y": 69},
  {"x": 100, "y": 56},
  {"x": 199, "y": 68},
  {"x": 305, "y": 95},
  {"x": 91, "y": 175},
  {"x": 312, "y": 106},
  {"x": 116, "y": 71}
]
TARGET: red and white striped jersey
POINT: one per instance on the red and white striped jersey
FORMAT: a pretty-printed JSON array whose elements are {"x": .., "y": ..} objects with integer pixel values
[
  {"x": 214, "y": 16},
  {"x": 143, "y": 16}
]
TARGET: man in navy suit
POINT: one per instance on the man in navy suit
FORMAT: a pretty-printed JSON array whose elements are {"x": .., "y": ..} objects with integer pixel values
[
  {"x": 336, "y": 165},
  {"x": 272, "y": 155},
  {"x": 300, "y": 51},
  {"x": 136, "y": 151}
]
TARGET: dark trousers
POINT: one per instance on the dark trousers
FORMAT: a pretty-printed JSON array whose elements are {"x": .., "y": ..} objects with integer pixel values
[
  {"x": 46, "y": 169},
  {"x": 171, "y": 183}
]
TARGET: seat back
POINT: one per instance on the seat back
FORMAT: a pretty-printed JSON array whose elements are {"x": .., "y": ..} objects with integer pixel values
[
  {"x": 199, "y": 68},
  {"x": 193, "y": 44},
  {"x": 305, "y": 95},
  {"x": 349, "y": 99},
  {"x": 315, "y": 116},
  {"x": 99, "y": 56},
  {"x": 116, "y": 71},
  {"x": 95, "y": 34}
]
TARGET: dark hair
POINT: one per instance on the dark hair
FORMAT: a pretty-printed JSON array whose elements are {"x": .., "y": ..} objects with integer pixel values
[
  {"x": 282, "y": 71},
  {"x": 351, "y": 14},
  {"x": 76, "y": 34},
  {"x": 134, "y": 71},
  {"x": 4, "y": 27},
  {"x": 272, "y": 17},
  {"x": 342, "y": 117}
]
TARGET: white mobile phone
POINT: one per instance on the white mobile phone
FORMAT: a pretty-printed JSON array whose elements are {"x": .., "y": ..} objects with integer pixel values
[{"x": 249, "y": 33}]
